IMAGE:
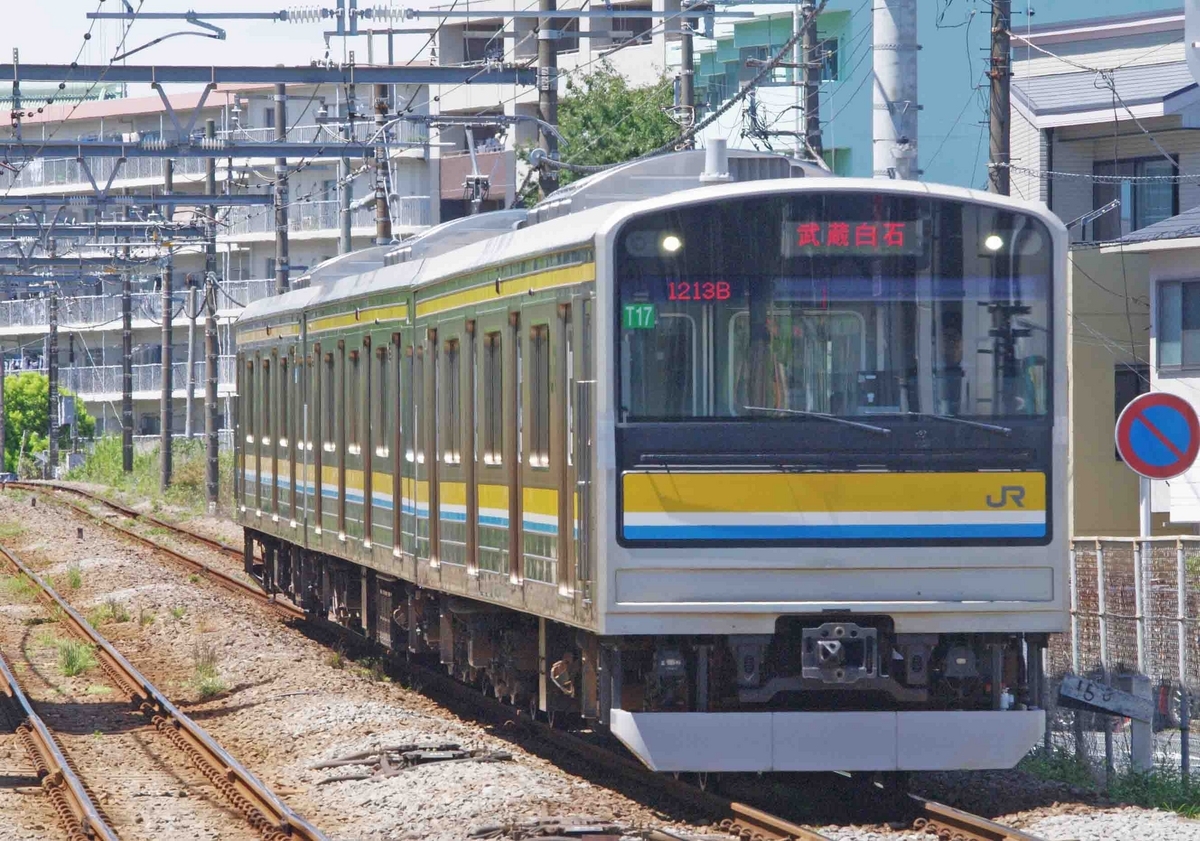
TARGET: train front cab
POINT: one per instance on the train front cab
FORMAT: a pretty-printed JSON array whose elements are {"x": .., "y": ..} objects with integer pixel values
[{"x": 832, "y": 457}]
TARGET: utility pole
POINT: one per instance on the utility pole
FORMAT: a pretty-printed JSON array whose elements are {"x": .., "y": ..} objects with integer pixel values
[
  {"x": 811, "y": 81},
  {"x": 894, "y": 99},
  {"x": 210, "y": 331},
  {"x": 344, "y": 187},
  {"x": 164, "y": 402},
  {"x": 52, "y": 460},
  {"x": 547, "y": 81},
  {"x": 126, "y": 365},
  {"x": 189, "y": 404},
  {"x": 281, "y": 195},
  {"x": 687, "y": 76},
  {"x": 383, "y": 216},
  {"x": 3, "y": 428},
  {"x": 1000, "y": 72}
]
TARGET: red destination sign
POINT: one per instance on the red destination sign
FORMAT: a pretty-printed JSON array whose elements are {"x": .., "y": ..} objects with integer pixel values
[{"x": 852, "y": 238}]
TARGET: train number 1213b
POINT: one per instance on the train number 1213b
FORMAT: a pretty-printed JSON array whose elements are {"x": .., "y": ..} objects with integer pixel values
[{"x": 709, "y": 290}]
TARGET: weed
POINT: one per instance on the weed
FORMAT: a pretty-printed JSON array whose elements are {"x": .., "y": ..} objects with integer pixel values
[
  {"x": 177, "y": 613},
  {"x": 158, "y": 531},
  {"x": 373, "y": 668},
  {"x": 75, "y": 657},
  {"x": 46, "y": 638},
  {"x": 206, "y": 625},
  {"x": 20, "y": 587},
  {"x": 335, "y": 660},
  {"x": 206, "y": 679},
  {"x": 10, "y": 530},
  {"x": 194, "y": 578},
  {"x": 34, "y": 621},
  {"x": 1061, "y": 765},
  {"x": 111, "y": 612},
  {"x": 145, "y": 617},
  {"x": 98, "y": 689},
  {"x": 96, "y": 734},
  {"x": 74, "y": 577}
]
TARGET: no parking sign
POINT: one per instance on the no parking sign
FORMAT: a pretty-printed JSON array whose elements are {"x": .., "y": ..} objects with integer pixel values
[{"x": 1158, "y": 435}]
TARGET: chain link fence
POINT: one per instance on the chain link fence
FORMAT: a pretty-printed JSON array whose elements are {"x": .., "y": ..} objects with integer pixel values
[{"x": 1135, "y": 610}]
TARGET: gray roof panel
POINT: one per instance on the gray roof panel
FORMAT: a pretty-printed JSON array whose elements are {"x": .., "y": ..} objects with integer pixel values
[
  {"x": 1186, "y": 224},
  {"x": 1064, "y": 93}
]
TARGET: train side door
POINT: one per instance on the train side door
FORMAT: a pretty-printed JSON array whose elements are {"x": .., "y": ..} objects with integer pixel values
[
  {"x": 451, "y": 492},
  {"x": 493, "y": 339},
  {"x": 542, "y": 456}
]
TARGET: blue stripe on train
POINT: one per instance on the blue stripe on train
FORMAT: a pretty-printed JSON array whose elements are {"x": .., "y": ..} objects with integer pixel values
[{"x": 859, "y": 532}]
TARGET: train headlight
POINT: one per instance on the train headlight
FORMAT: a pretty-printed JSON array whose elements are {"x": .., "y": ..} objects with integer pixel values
[
  {"x": 993, "y": 242},
  {"x": 671, "y": 243}
]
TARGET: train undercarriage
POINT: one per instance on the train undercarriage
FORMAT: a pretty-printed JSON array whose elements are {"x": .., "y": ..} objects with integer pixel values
[{"x": 821, "y": 664}]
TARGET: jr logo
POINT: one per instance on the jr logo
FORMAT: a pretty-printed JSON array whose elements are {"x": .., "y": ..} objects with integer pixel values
[{"x": 1015, "y": 493}]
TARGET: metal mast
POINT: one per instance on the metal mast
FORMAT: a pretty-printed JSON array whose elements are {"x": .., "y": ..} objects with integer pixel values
[
  {"x": 547, "y": 81},
  {"x": 1000, "y": 73}
]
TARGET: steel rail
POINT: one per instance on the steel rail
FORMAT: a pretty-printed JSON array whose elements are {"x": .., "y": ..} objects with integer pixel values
[
  {"x": 273, "y": 818},
  {"x": 947, "y": 822},
  {"x": 77, "y": 813},
  {"x": 224, "y": 579}
]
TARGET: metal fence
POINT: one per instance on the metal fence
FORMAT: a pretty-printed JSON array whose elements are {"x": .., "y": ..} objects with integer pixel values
[
  {"x": 83, "y": 311},
  {"x": 323, "y": 215},
  {"x": 1134, "y": 609}
]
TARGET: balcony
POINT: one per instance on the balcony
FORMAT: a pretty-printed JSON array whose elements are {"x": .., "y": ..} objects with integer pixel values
[
  {"x": 103, "y": 382},
  {"x": 407, "y": 212},
  {"x": 398, "y": 134},
  {"x": 104, "y": 311}
]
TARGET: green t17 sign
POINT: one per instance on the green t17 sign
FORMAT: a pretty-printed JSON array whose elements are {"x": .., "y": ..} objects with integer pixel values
[{"x": 639, "y": 316}]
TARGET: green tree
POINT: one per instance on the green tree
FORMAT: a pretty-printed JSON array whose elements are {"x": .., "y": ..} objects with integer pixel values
[
  {"x": 605, "y": 121},
  {"x": 27, "y": 408}
]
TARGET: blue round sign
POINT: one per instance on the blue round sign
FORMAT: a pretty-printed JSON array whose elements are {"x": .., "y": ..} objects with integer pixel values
[{"x": 1158, "y": 435}]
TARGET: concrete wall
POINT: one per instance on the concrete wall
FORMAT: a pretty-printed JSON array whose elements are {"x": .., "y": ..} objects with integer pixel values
[{"x": 1104, "y": 490}]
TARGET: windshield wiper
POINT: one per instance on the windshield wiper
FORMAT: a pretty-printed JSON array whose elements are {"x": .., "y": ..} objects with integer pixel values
[
  {"x": 990, "y": 427},
  {"x": 882, "y": 430}
]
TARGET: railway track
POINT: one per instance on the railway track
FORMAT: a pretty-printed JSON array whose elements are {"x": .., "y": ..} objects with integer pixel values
[
  {"x": 739, "y": 819},
  {"x": 268, "y": 816}
]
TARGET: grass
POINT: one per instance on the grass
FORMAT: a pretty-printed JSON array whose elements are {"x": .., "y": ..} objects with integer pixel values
[
  {"x": 206, "y": 678},
  {"x": 145, "y": 617},
  {"x": 109, "y": 613},
  {"x": 177, "y": 613},
  {"x": 19, "y": 587},
  {"x": 1161, "y": 788},
  {"x": 194, "y": 578},
  {"x": 335, "y": 660},
  {"x": 187, "y": 492},
  {"x": 74, "y": 577},
  {"x": 98, "y": 689},
  {"x": 372, "y": 668},
  {"x": 10, "y": 530},
  {"x": 46, "y": 638},
  {"x": 75, "y": 657}
]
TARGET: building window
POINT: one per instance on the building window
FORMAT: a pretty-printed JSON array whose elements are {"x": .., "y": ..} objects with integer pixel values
[
  {"x": 827, "y": 51},
  {"x": 1178, "y": 324},
  {"x": 1142, "y": 203},
  {"x": 270, "y": 267},
  {"x": 568, "y": 41},
  {"x": 539, "y": 396},
  {"x": 451, "y": 406},
  {"x": 493, "y": 400},
  {"x": 1128, "y": 382},
  {"x": 269, "y": 117},
  {"x": 483, "y": 43},
  {"x": 632, "y": 30}
]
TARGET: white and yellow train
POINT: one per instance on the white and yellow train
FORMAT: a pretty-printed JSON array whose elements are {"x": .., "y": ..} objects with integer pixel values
[{"x": 761, "y": 471}]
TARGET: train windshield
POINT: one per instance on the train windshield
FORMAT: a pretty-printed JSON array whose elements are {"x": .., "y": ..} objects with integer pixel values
[{"x": 846, "y": 303}]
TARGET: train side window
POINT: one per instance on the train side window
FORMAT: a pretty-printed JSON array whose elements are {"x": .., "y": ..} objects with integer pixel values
[
  {"x": 285, "y": 409},
  {"x": 383, "y": 417},
  {"x": 329, "y": 406},
  {"x": 250, "y": 401},
  {"x": 418, "y": 437},
  {"x": 354, "y": 407},
  {"x": 451, "y": 408},
  {"x": 265, "y": 426},
  {"x": 539, "y": 396},
  {"x": 493, "y": 400}
]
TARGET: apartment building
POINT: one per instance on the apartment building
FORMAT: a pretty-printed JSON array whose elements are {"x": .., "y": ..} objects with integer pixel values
[
  {"x": 1104, "y": 113},
  {"x": 90, "y": 309}
]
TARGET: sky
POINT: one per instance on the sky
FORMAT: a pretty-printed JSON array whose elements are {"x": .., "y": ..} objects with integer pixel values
[{"x": 52, "y": 32}]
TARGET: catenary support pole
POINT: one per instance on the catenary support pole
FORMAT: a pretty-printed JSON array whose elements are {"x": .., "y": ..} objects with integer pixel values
[
  {"x": 345, "y": 187},
  {"x": 894, "y": 101},
  {"x": 383, "y": 216},
  {"x": 547, "y": 82},
  {"x": 1000, "y": 73},
  {"x": 126, "y": 373},
  {"x": 189, "y": 404},
  {"x": 3, "y": 428},
  {"x": 52, "y": 370},
  {"x": 210, "y": 335},
  {"x": 165, "y": 420},
  {"x": 282, "y": 270},
  {"x": 811, "y": 76},
  {"x": 687, "y": 76}
]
